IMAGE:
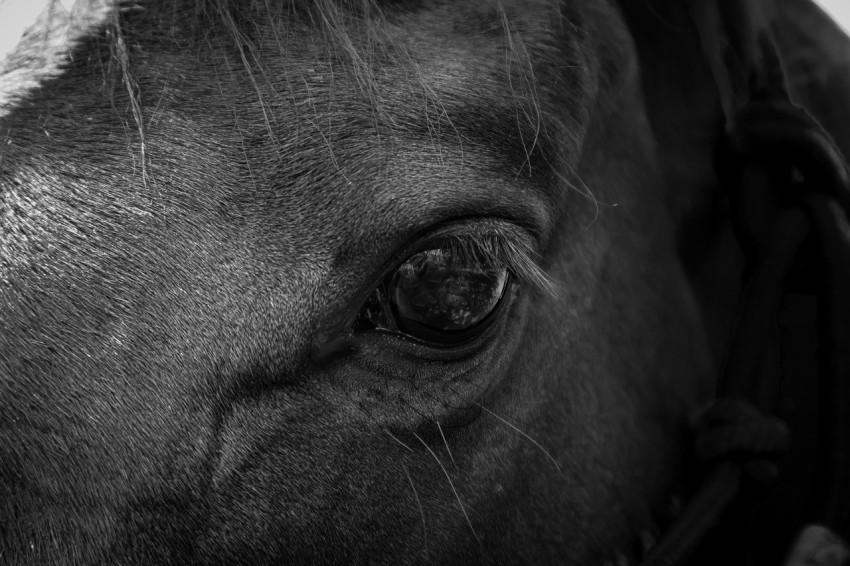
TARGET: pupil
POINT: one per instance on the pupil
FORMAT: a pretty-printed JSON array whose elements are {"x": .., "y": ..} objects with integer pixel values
[{"x": 446, "y": 292}]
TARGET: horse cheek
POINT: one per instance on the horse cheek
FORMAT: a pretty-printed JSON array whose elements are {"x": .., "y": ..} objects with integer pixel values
[{"x": 620, "y": 354}]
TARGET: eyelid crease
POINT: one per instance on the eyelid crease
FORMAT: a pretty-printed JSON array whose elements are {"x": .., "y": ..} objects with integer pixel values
[{"x": 495, "y": 251}]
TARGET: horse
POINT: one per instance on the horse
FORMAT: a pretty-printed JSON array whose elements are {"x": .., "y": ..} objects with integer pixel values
[{"x": 392, "y": 282}]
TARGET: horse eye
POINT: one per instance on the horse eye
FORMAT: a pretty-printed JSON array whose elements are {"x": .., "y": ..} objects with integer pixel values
[{"x": 437, "y": 295}]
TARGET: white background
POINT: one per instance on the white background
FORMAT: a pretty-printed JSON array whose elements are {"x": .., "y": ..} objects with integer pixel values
[{"x": 838, "y": 9}]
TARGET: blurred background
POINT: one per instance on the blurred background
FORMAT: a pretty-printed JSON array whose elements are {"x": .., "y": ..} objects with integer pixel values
[{"x": 839, "y": 10}]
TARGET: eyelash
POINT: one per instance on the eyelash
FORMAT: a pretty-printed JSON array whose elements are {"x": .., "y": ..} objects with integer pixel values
[{"x": 494, "y": 250}]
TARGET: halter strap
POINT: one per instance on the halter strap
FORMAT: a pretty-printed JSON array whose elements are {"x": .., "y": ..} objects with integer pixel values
[
  {"x": 739, "y": 49},
  {"x": 789, "y": 185}
]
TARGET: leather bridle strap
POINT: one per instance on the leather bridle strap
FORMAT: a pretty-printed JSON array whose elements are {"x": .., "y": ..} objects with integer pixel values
[
  {"x": 779, "y": 133},
  {"x": 789, "y": 184}
]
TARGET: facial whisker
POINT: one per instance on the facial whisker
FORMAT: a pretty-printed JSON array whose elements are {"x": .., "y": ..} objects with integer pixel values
[
  {"x": 445, "y": 442},
  {"x": 394, "y": 437},
  {"x": 452, "y": 485},
  {"x": 421, "y": 510},
  {"x": 537, "y": 444},
  {"x": 530, "y": 439}
]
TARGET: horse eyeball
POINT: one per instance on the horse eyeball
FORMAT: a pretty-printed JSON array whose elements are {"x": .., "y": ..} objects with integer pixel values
[{"x": 439, "y": 295}]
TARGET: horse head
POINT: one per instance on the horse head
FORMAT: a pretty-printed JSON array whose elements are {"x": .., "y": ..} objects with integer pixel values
[{"x": 326, "y": 281}]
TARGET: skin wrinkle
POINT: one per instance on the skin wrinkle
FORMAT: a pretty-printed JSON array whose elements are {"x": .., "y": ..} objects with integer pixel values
[{"x": 157, "y": 315}]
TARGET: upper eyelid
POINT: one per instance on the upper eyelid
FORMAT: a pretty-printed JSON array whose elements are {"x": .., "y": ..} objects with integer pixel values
[{"x": 499, "y": 250}]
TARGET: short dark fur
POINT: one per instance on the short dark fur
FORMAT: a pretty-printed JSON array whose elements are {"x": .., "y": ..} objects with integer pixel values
[{"x": 207, "y": 187}]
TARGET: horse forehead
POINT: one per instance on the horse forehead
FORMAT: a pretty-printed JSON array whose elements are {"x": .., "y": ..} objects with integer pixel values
[
  {"x": 353, "y": 148},
  {"x": 458, "y": 92}
]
